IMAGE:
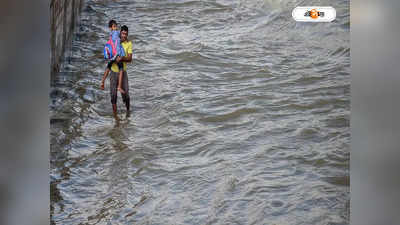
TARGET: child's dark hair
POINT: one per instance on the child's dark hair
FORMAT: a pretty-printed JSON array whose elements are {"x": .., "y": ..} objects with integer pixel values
[
  {"x": 111, "y": 23},
  {"x": 124, "y": 28}
]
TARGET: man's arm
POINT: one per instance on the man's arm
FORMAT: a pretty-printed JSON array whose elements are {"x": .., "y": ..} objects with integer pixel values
[{"x": 127, "y": 58}]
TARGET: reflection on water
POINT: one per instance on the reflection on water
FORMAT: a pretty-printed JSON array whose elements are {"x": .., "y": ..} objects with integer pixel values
[{"x": 240, "y": 116}]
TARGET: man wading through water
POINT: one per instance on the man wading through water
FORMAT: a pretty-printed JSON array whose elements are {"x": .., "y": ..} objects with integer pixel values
[{"x": 127, "y": 45}]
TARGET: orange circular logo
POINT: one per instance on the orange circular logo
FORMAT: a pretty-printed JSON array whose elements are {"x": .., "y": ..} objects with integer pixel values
[{"x": 314, "y": 14}]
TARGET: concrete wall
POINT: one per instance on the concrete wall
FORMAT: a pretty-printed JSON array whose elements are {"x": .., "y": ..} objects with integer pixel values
[{"x": 64, "y": 15}]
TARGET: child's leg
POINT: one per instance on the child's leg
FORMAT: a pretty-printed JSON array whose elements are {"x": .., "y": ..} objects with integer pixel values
[
  {"x": 119, "y": 82},
  {"x": 104, "y": 78},
  {"x": 106, "y": 72},
  {"x": 121, "y": 72},
  {"x": 110, "y": 64},
  {"x": 108, "y": 68}
]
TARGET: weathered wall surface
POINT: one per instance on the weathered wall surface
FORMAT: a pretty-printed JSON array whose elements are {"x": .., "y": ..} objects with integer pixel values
[{"x": 64, "y": 15}]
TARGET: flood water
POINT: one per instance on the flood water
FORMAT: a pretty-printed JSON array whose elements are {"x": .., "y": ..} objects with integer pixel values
[{"x": 240, "y": 115}]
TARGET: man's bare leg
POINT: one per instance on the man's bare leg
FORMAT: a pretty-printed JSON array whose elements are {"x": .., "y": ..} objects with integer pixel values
[
  {"x": 114, "y": 106},
  {"x": 125, "y": 97},
  {"x": 128, "y": 112}
]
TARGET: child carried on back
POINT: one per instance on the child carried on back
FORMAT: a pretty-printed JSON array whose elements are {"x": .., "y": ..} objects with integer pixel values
[{"x": 113, "y": 51}]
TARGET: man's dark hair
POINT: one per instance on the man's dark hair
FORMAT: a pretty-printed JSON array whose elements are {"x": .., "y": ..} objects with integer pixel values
[
  {"x": 111, "y": 23},
  {"x": 124, "y": 28}
]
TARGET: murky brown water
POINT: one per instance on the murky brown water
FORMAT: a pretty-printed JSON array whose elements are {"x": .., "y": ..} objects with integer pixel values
[{"x": 240, "y": 116}]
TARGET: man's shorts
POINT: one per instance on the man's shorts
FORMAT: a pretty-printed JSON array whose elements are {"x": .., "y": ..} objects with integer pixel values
[{"x": 114, "y": 87}]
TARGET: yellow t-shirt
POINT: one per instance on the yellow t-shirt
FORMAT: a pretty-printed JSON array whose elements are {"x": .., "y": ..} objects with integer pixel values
[{"x": 127, "y": 45}]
